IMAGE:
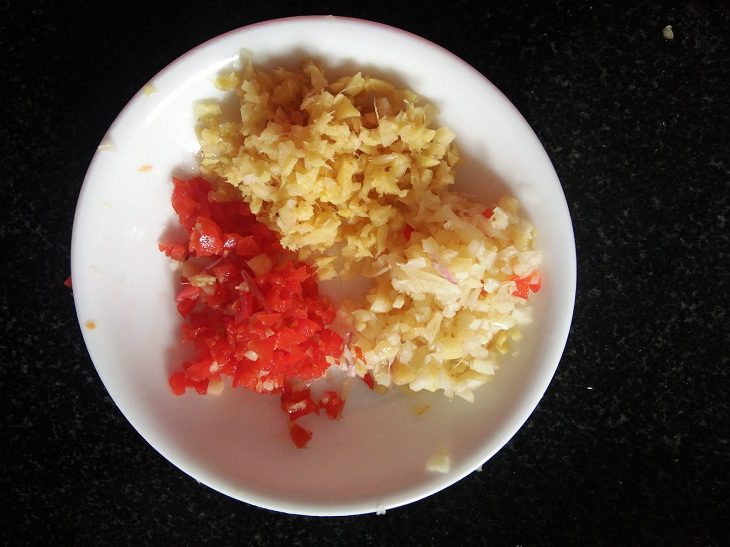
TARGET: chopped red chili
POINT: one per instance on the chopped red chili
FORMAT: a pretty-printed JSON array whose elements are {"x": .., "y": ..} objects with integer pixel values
[
  {"x": 407, "y": 231},
  {"x": 263, "y": 329},
  {"x": 526, "y": 284},
  {"x": 369, "y": 380},
  {"x": 177, "y": 382},
  {"x": 176, "y": 252},
  {"x": 332, "y": 404},
  {"x": 359, "y": 354},
  {"x": 299, "y": 435},
  {"x": 298, "y": 403}
]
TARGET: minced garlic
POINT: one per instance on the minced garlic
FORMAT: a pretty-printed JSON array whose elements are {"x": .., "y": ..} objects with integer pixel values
[{"x": 454, "y": 283}]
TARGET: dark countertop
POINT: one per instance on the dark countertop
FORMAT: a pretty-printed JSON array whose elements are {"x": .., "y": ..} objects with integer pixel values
[{"x": 630, "y": 443}]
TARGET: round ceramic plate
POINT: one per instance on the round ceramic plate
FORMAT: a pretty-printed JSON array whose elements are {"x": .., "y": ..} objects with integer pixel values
[{"x": 374, "y": 458}]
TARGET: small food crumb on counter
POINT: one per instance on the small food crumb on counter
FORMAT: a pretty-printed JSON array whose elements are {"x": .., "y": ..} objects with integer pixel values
[
  {"x": 107, "y": 144},
  {"x": 668, "y": 33}
]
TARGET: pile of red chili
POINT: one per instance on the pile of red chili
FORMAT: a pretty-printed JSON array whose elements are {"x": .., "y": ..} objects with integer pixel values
[{"x": 252, "y": 311}]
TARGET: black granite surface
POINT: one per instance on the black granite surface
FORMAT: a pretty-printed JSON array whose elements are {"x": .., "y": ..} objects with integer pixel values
[{"x": 630, "y": 444}]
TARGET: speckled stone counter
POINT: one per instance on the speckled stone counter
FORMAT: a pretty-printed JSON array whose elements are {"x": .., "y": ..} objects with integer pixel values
[{"x": 630, "y": 443}]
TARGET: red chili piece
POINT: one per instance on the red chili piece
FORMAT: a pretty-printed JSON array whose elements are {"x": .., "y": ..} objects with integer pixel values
[
  {"x": 407, "y": 231},
  {"x": 299, "y": 435},
  {"x": 332, "y": 404},
  {"x": 369, "y": 380},
  {"x": 526, "y": 284}
]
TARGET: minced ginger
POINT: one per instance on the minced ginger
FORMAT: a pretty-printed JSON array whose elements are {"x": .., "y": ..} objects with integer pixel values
[
  {"x": 330, "y": 166},
  {"x": 353, "y": 178}
]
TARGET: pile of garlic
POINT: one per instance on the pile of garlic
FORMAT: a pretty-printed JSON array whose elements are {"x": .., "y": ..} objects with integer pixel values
[{"x": 443, "y": 309}]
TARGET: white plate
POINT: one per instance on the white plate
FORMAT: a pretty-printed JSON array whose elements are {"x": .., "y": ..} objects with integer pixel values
[{"x": 238, "y": 444}]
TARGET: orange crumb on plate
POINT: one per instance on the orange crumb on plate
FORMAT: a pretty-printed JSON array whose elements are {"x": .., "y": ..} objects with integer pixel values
[{"x": 420, "y": 410}]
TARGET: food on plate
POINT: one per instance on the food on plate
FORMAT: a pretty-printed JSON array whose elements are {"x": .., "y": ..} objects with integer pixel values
[
  {"x": 439, "y": 461},
  {"x": 332, "y": 167},
  {"x": 447, "y": 301},
  {"x": 318, "y": 179},
  {"x": 252, "y": 311}
]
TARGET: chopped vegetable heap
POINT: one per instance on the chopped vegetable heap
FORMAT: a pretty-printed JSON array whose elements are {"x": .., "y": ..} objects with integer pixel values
[
  {"x": 319, "y": 179},
  {"x": 252, "y": 312},
  {"x": 446, "y": 303}
]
